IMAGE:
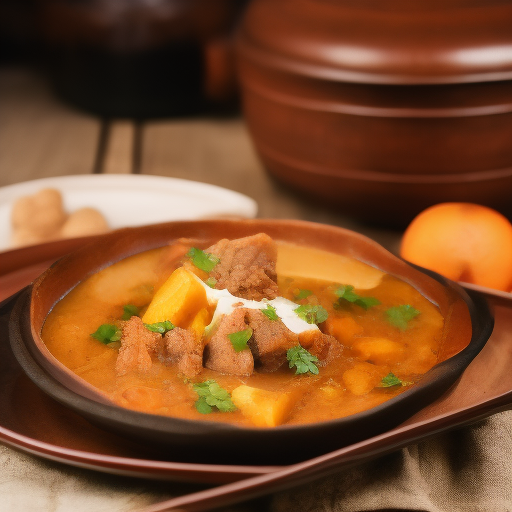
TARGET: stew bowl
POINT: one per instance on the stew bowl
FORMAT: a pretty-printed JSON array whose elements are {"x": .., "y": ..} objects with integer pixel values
[{"x": 468, "y": 325}]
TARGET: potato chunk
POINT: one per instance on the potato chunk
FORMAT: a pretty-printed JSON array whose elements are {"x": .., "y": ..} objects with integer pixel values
[
  {"x": 378, "y": 350},
  {"x": 363, "y": 377},
  {"x": 178, "y": 300},
  {"x": 263, "y": 408},
  {"x": 200, "y": 321},
  {"x": 343, "y": 329}
]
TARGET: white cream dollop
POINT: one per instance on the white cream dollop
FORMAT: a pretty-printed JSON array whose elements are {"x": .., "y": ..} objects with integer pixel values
[{"x": 226, "y": 303}]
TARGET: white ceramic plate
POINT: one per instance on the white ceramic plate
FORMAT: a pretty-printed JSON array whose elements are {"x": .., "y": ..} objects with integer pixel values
[{"x": 131, "y": 200}]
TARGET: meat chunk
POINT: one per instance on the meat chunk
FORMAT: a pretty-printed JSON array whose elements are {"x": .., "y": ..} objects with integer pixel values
[
  {"x": 270, "y": 341},
  {"x": 219, "y": 352},
  {"x": 247, "y": 266},
  {"x": 137, "y": 346},
  {"x": 324, "y": 346},
  {"x": 184, "y": 350}
]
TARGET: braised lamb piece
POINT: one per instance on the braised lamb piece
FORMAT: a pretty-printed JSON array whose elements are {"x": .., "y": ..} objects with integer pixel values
[
  {"x": 183, "y": 349},
  {"x": 247, "y": 267}
]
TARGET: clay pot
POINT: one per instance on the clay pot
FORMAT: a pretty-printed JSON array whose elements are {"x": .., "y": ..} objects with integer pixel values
[
  {"x": 468, "y": 326},
  {"x": 382, "y": 108}
]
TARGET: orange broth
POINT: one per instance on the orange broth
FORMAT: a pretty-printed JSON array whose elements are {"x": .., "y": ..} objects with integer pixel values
[{"x": 347, "y": 385}]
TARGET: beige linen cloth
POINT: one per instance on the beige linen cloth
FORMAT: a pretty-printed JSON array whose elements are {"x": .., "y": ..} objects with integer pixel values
[{"x": 465, "y": 470}]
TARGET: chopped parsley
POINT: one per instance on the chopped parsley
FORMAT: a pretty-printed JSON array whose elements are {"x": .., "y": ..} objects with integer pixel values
[
  {"x": 303, "y": 294},
  {"x": 400, "y": 316},
  {"x": 212, "y": 395},
  {"x": 303, "y": 360},
  {"x": 239, "y": 339},
  {"x": 346, "y": 292},
  {"x": 129, "y": 310},
  {"x": 202, "y": 260},
  {"x": 211, "y": 282},
  {"x": 160, "y": 327},
  {"x": 270, "y": 312},
  {"x": 107, "y": 333},
  {"x": 390, "y": 380},
  {"x": 312, "y": 314}
]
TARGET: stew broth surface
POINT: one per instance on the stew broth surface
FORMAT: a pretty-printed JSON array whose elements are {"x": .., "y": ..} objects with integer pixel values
[{"x": 349, "y": 384}]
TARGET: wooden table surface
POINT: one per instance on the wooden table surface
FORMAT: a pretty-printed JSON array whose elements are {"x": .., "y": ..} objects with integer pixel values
[{"x": 41, "y": 137}]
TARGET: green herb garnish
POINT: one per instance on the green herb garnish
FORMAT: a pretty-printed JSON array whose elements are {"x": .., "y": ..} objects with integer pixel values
[
  {"x": 389, "y": 381},
  {"x": 303, "y": 360},
  {"x": 303, "y": 294},
  {"x": 211, "y": 282},
  {"x": 346, "y": 292},
  {"x": 270, "y": 312},
  {"x": 160, "y": 327},
  {"x": 202, "y": 260},
  {"x": 400, "y": 316},
  {"x": 129, "y": 310},
  {"x": 107, "y": 333},
  {"x": 312, "y": 314},
  {"x": 239, "y": 339},
  {"x": 212, "y": 395}
]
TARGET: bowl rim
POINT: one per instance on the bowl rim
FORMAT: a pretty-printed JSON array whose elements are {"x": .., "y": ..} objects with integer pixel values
[{"x": 432, "y": 384}]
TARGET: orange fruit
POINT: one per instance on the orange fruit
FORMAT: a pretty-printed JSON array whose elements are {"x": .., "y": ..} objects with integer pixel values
[{"x": 462, "y": 241}]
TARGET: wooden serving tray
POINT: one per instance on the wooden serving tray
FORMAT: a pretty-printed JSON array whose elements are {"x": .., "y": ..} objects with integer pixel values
[{"x": 33, "y": 422}]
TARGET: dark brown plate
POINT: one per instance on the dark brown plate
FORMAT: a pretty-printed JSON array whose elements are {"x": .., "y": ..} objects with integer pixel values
[
  {"x": 203, "y": 441},
  {"x": 59, "y": 434}
]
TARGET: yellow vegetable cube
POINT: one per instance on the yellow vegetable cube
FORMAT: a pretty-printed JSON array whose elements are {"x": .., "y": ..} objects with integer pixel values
[
  {"x": 378, "y": 350},
  {"x": 263, "y": 408},
  {"x": 200, "y": 321},
  {"x": 363, "y": 377},
  {"x": 178, "y": 300}
]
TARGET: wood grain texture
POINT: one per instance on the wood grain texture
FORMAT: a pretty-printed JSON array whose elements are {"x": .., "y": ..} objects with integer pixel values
[
  {"x": 220, "y": 152},
  {"x": 118, "y": 158},
  {"x": 39, "y": 136}
]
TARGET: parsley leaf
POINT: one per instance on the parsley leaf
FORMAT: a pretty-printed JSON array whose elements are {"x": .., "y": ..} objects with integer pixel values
[
  {"x": 312, "y": 314},
  {"x": 211, "y": 282},
  {"x": 239, "y": 339},
  {"x": 389, "y": 381},
  {"x": 212, "y": 395},
  {"x": 303, "y": 360},
  {"x": 346, "y": 292},
  {"x": 270, "y": 312},
  {"x": 160, "y": 327},
  {"x": 129, "y": 310},
  {"x": 399, "y": 316},
  {"x": 202, "y": 260},
  {"x": 303, "y": 294},
  {"x": 107, "y": 333}
]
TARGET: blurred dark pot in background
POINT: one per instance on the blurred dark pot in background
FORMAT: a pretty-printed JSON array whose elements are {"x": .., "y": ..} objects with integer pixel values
[
  {"x": 141, "y": 58},
  {"x": 382, "y": 107}
]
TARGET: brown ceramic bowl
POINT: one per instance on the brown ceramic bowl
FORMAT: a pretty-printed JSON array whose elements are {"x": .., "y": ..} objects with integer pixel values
[
  {"x": 470, "y": 325},
  {"x": 382, "y": 108}
]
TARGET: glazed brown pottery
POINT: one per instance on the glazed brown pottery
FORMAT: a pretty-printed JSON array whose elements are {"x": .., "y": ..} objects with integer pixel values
[
  {"x": 382, "y": 107},
  {"x": 469, "y": 327}
]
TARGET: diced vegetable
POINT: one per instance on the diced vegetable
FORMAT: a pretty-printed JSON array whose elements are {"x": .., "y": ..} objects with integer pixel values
[
  {"x": 270, "y": 312},
  {"x": 262, "y": 407},
  {"x": 362, "y": 378},
  {"x": 378, "y": 350},
  {"x": 343, "y": 329},
  {"x": 200, "y": 321},
  {"x": 178, "y": 300}
]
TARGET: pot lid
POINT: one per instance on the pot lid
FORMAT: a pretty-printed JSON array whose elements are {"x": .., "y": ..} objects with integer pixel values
[{"x": 382, "y": 41}]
